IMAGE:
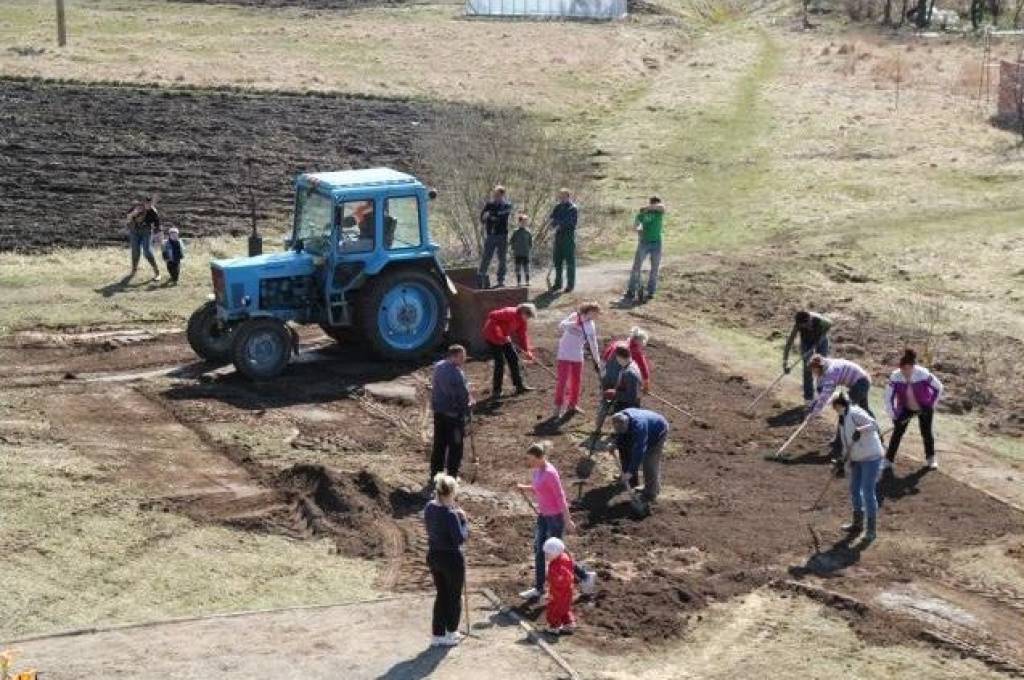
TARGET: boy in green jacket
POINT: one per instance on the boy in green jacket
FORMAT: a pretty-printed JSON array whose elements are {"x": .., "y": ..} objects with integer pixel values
[{"x": 648, "y": 223}]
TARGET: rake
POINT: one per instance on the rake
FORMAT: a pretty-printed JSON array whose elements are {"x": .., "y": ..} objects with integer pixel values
[{"x": 785, "y": 445}]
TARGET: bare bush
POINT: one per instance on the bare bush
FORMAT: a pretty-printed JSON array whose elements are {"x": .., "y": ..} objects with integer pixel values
[{"x": 480, "y": 148}]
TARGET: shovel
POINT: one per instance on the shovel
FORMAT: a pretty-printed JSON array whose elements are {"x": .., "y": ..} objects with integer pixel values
[{"x": 785, "y": 445}]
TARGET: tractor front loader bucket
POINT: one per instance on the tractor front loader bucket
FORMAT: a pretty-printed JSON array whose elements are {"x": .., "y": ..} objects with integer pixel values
[{"x": 471, "y": 305}]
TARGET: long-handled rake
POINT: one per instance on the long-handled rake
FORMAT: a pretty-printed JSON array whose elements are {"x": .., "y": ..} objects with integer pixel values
[
  {"x": 785, "y": 372},
  {"x": 672, "y": 406},
  {"x": 785, "y": 445}
]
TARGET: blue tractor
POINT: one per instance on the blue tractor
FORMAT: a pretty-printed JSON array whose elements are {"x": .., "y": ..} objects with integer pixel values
[{"x": 360, "y": 263}]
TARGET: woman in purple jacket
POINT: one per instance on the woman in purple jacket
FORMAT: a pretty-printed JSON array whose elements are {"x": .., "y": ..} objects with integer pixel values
[{"x": 912, "y": 391}]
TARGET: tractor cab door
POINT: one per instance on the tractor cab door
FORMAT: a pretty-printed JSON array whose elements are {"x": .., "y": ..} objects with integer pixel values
[{"x": 358, "y": 220}]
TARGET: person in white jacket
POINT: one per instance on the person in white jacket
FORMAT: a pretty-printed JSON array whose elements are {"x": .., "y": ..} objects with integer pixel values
[
  {"x": 579, "y": 330},
  {"x": 862, "y": 454},
  {"x": 912, "y": 391}
]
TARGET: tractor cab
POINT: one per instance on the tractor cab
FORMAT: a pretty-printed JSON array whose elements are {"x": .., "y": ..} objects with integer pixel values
[{"x": 359, "y": 262}]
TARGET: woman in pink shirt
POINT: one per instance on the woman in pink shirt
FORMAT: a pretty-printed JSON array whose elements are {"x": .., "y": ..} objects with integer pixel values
[{"x": 553, "y": 517}]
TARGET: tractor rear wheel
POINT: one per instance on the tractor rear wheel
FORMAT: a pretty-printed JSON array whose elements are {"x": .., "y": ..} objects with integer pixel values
[
  {"x": 403, "y": 314},
  {"x": 207, "y": 336},
  {"x": 261, "y": 348}
]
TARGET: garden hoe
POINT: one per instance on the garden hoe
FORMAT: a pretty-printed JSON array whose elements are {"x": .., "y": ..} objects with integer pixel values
[{"x": 470, "y": 431}]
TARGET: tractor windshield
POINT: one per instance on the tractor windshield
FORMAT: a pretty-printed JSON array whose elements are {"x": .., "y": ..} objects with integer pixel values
[{"x": 313, "y": 216}]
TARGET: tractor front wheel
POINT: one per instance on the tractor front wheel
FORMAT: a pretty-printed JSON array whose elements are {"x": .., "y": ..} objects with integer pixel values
[
  {"x": 262, "y": 348},
  {"x": 210, "y": 339},
  {"x": 403, "y": 314}
]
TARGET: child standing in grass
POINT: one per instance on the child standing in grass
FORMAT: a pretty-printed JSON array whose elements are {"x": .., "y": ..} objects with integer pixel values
[
  {"x": 173, "y": 253},
  {"x": 560, "y": 587},
  {"x": 522, "y": 248}
]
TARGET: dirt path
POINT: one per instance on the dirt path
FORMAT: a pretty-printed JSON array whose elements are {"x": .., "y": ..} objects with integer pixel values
[{"x": 385, "y": 640}]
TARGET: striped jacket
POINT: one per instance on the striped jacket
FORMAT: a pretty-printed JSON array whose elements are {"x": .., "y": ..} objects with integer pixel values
[{"x": 837, "y": 373}]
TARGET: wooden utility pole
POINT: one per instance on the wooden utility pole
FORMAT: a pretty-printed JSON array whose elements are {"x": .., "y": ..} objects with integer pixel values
[{"x": 62, "y": 33}]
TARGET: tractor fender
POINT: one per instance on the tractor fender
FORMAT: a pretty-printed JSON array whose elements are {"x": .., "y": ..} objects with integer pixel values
[{"x": 431, "y": 264}]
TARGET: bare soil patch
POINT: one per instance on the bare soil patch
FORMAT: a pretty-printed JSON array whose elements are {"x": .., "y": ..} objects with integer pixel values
[
  {"x": 75, "y": 158},
  {"x": 758, "y": 296},
  {"x": 729, "y": 521}
]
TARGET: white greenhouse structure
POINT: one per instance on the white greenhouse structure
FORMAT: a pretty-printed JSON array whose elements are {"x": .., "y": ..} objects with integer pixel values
[{"x": 548, "y": 9}]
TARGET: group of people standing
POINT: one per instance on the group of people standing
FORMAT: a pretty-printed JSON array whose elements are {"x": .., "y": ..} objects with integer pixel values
[
  {"x": 495, "y": 217},
  {"x": 146, "y": 235},
  {"x": 639, "y": 438},
  {"x": 858, "y": 448},
  {"x": 563, "y": 220}
]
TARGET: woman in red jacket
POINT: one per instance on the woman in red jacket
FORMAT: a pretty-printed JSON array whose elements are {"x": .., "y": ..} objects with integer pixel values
[{"x": 504, "y": 331}]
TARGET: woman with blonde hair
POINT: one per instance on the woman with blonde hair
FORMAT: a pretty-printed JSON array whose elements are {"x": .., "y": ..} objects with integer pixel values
[
  {"x": 578, "y": 331},
  {"x": 447, "y": 530}
]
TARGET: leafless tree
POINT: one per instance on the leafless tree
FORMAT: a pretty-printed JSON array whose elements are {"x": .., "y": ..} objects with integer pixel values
[{"x": 477, "y": 149}]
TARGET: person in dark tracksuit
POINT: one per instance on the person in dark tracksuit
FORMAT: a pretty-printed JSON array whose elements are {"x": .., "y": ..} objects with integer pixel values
[
  {"x": 142, "y": 220},
  {"x": 522, "y": 249},
  {"x": 450, "y": 399},
  {"x": 447, "y": 530},
  {"x": 564, "y": 217},
  {"x": 494, "y": 217},
  {"x": 813, "y": 331},
  {"x": 173, "y": 253}
]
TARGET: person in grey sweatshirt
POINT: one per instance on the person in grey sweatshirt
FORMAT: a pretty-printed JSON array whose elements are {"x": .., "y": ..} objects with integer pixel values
[{"x": 522, "y": 249}]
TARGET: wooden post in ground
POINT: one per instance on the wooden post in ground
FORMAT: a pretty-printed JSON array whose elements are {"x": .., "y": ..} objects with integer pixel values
[{"x": 62, "y": 34}]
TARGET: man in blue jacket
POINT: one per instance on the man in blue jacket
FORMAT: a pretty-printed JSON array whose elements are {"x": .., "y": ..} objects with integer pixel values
[
  {"x": 451, "y": 401},
  {"x": 640, "y": 437}
]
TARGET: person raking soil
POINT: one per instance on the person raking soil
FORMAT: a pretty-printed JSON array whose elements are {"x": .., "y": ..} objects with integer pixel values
[
  {"x": 622, "y": 383},
  {"x": 813, "y": 330},
  {"x": 579, "y": 331},
  {"x": 640, "y": 436},
  {"x": 553, "y": 517},
  {"x": 447, "y": 530},
  {"x": 504, "y": 330},
  {"x": 451, "y": 402},
  {"x": 832, "y": 374},
  {"x": 913, "y": 392},
  {"x": 862, "y": 456}
]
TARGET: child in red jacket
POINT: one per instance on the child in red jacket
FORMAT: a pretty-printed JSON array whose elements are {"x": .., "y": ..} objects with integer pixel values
[{"x": 560, "y": 585}]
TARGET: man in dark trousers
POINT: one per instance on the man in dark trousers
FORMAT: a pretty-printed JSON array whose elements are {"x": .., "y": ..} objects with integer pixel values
[
  {"x": 813, "y": 330},
  {"x": 449, "y": 397},
  {"x": 494, "y": 217},
  {"x": 142, "y": 220},
  {"x": 564, "y": 217},
  {"x": 640, "y": 437}
]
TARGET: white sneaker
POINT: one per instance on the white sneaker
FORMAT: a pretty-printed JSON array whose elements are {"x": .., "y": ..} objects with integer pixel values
[
  {"x": 589, "y": 583},
  {"x": 886, "y": 464},
  {"x": 531, "y": 594},
  {"x": 436, "y": 640},
  {"x": 450, "y": 640},
  {"x": 931, "y": 463},
  {"x": 156, "y": 278}
]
